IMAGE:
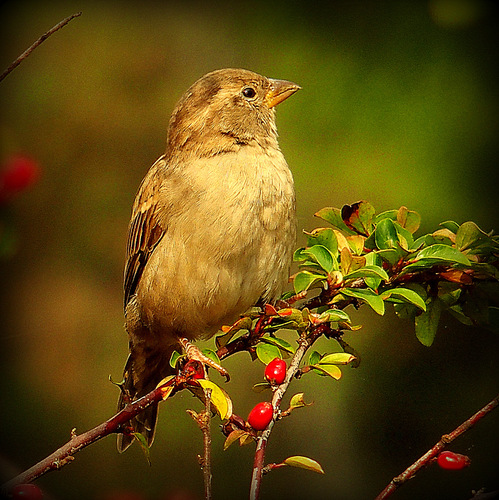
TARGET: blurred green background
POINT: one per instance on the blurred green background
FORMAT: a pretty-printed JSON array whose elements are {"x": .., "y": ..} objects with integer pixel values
[{"x": 399, "y": 107}]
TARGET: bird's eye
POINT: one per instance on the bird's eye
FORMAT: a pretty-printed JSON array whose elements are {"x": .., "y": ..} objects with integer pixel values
[{"x": 249, "y": 92}]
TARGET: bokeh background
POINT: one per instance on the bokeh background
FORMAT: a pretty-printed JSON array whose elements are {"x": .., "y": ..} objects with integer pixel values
[{"x": 399, "y": 107}]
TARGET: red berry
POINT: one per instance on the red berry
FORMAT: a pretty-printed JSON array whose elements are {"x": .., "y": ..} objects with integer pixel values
[
  {"x": 275, "y": 371},
  {"x": 26, "y": 492},
  {"x": 260, "y": 416},
  {"x": 18, "y": 173},
  {"x": 452, "y": 461}
]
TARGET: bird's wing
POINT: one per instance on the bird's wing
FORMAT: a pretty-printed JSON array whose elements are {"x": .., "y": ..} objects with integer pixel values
[{"x": 144, "y": 230}]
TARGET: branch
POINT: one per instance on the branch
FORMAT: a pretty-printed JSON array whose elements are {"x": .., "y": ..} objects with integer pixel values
[
  {"x": 64, "y": 454},
  {"x": 258, "y": 463},
  {"x": 203, "y": 420},
  {"x": 411, "y": 471},
  {"x": 27, "y": 52}
]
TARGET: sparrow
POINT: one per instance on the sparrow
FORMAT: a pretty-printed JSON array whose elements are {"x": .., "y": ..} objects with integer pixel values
[{"x": 212, "y": 230}]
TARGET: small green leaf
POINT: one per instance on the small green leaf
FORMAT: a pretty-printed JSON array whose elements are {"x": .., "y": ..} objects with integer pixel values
[
  {"x": 450, "y": 225},
  {"x": 405, "y": 295},
  {"x": 304, "y": 463},
  {"x": 267, "y": 352},
  {"x": 282, "y": 344},
  {"x": 229, "y": 333},
  {"x": 368, "y": 272},
  {"x": 386, "y": 235},
  {"x": 373, "y": 259},
  {"x": 368, "y": 296},
  {"x": 427, "y": 323},
  {"x": 210, "y": 354},
  {"x": 387, "y": 214},
  {"x": 408, "y": 219},
  {"x": 325, "y": 237},
  {"x": 333, "y": 216},
  {"x": 314, "y": 358},
  {"x": 335, "y": 315},
  {"x": 233, "y": 437},
  {"x": 174, "y": 359},
  {"x": 442, "y": 253},
  {"x": 262, "y": 386},
  {"x": 327, "y": 369},
  {"x": 323, "y": 257},
  {"x": 304, "y": 280},
  {"x": 469, "y": 235},
  {"x": 219, "y": 398},
  {"x": 143, "y": 445},
  {"x": 298, "y": 401},
  {"x": 336, "y": 358}
]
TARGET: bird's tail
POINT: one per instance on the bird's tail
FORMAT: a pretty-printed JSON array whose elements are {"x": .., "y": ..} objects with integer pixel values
[{"x": 140, "y": 377}]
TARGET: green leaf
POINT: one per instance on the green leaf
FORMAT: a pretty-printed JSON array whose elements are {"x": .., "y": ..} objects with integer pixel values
[
  {"x": 450, "y": 225},
  {"x": 336, "y": 315},
  {"x": 210, "y": 354},
  {"x": 228, "y": 334},
  {"x": 336, "y": 358},
  {"x": 373, "y": 259},
  {"x": 314, "y": 358},
  {"x": 174, "y": 358},
  {"x": 387, "y": 214},
  {"x": 368, "y": 296},
  {"x": 304, "y": 463},
  {"x": 267, "y": 352},
  {"x": 282, "y": 344},
  {"x": 234, "y": 436},
  {"x": 368, "y": 272},
  {"x": 298, "y": 401},
  {"x": 304, "y": 280},
  {"x": 333, "y": 216},
  {"x": 219, "y": 398},
  {"x": 408, "y": 219},
  {"x": 386, "y": 235},
  {"x": 427, "y": 323},
  {"x": 325, "y": 237},
  {"x": 405, "y": 295},
  {"x": 327, "y": 369},
  {"x": 323, "y": 257},
  {"x": 441, "y": 254},
  {"x": 469, "y": 235},
  {"x": 404, "y": 236},
  {"x": 261, "y": 386},
  {"x": 143, "y": 445}
]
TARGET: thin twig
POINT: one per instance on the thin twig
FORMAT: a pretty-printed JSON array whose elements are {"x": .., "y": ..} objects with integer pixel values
[
  {"x": 258, "y": 463},
  {"x": 208, "y": 477},
  {"x": 64, "y": 454},
  {"x": 27, "y": 52},
  {"x": 409, "y": 473}
]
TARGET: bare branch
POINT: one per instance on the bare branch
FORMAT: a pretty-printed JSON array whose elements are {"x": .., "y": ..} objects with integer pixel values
[
  {"x": 410, "y": 472},
  {"x": 64, "y": 454},
  {"x": 27, "y": 52}
]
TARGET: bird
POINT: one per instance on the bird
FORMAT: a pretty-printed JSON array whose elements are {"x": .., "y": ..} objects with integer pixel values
[{"x": 212, "y": 229}]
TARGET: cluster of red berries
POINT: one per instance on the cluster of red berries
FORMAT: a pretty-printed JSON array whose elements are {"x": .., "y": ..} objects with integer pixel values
[{"x": 261, "y": 415}]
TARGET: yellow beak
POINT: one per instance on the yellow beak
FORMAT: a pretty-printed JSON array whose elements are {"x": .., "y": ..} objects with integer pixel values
[{"x": 279, "y": 91}]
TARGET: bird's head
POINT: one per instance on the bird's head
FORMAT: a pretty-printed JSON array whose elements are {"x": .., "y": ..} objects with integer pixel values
[{"x": 226, "y": 109}]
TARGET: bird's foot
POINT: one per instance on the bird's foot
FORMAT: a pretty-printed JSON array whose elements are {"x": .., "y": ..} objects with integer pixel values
[{"x": 194, "y": 354}]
